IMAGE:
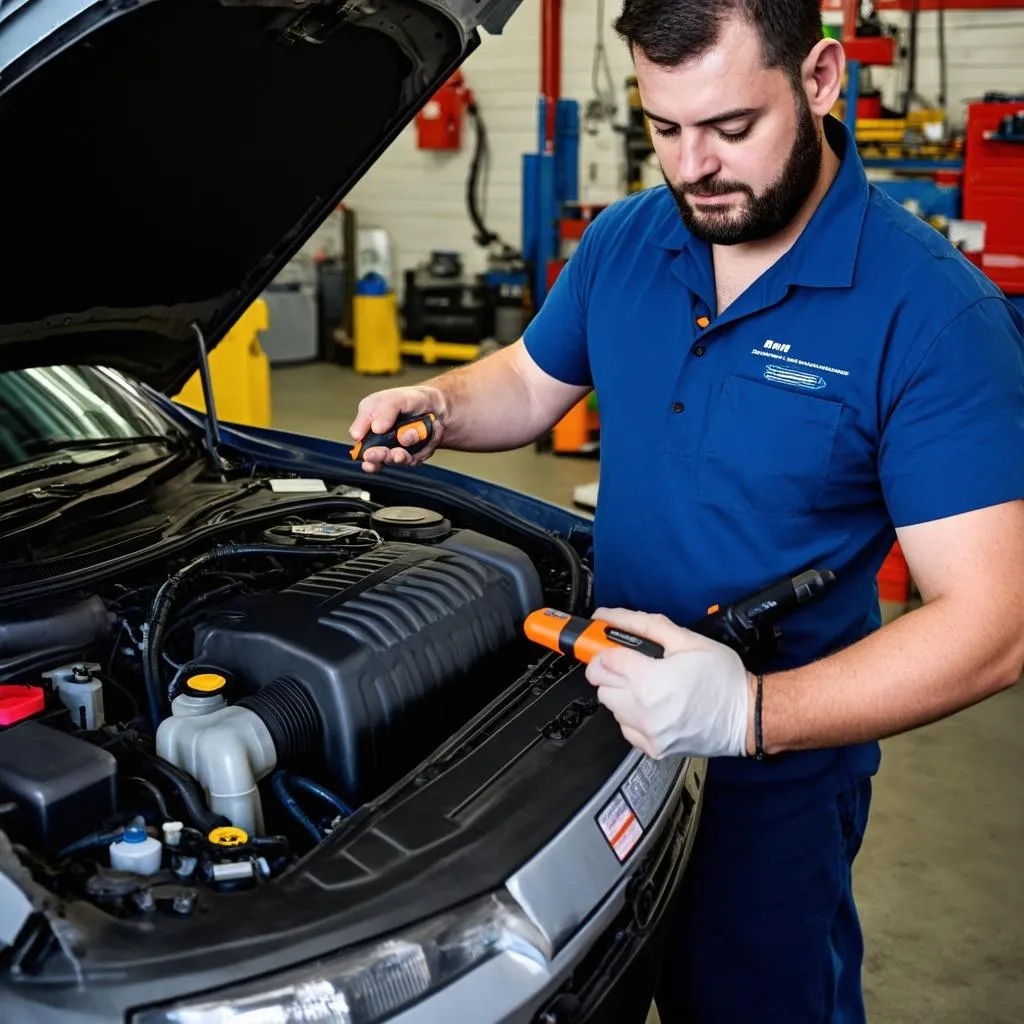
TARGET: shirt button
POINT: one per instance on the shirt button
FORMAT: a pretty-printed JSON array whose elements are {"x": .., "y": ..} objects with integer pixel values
[
  {"x": 678, "y": 407},
  {"x": 699, "y": 350}
]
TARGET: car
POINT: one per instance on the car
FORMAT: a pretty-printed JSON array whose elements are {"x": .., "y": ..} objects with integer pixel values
[{"x": 275, "y": 744}]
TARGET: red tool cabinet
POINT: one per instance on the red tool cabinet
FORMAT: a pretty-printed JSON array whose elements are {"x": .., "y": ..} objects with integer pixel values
[{"x": 994, "y": 193}]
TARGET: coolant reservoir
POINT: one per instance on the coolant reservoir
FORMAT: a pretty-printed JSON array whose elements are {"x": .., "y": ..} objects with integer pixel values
[
  {"x": 81, "y": 692},
  {"x": 226, "y": 748}
]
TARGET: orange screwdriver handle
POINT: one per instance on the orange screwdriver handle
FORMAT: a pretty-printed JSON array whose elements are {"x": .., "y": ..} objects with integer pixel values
[
  {"x": 422, "y": 423},
  {"x": 583, "y": 638}
]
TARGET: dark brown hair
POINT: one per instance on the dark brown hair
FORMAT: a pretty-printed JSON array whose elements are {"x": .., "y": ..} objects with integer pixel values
[{"x": 671, "y": 32}]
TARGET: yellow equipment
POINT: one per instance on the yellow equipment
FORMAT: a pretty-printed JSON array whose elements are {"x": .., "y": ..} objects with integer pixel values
[
  {"x": 379, "y": 345},
  {"x": 378, "y": 342},
  {"x": 239, "y": 373},
  {"x": 430, "y": 350}
]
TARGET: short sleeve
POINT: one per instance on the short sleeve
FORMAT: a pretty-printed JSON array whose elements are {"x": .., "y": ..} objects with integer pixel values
[
  {"x": 556, "y": 337},
  {"x": 954, "y": 438}
]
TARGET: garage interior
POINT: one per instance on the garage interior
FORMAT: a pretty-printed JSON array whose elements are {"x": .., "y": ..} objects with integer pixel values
[{"x": 439, "y": 254}]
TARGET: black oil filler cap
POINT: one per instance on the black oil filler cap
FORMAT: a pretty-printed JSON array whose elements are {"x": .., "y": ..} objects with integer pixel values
[{"x": 410, "y": 523}]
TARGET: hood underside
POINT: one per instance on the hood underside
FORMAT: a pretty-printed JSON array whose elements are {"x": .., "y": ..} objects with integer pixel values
[{"x": 165, "y": 159}]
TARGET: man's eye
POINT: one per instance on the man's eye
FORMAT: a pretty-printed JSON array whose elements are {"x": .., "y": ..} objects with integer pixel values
[
  {"x": 734, "y": 136},
  {"x": 666, "y": 133}
]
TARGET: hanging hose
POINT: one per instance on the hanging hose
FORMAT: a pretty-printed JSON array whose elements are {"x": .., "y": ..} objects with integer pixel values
[
  {"x": 481, "y": 155},
  {"x": 602, "y": 107},
  {"x": 943, "y": 62},
  {"x": 484, "y": 237}
]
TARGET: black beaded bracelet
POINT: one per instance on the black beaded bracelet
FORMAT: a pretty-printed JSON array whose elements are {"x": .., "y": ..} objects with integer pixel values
[{"x": 758, "y": 737}]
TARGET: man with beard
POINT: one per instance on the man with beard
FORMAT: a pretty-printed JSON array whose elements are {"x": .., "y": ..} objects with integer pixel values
[{"x": 793, "y": 371}]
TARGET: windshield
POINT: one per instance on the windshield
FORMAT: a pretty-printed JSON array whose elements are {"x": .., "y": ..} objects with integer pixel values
[{"x": 44, "y": 409}]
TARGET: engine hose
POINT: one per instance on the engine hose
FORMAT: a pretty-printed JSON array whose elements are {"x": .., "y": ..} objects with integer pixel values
[
  {"x": 79, "y": 625},
  {"x": 158, "y": 797},
  {"x": 90, "y": 842},
  {"x": 317, "y": 790},
  {"x": 278, "y": 782},
  {"x": 159, "y": 613},
  {"x": 191, "y": 796}
]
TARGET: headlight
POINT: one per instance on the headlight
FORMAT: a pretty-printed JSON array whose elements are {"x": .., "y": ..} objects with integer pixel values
[{"x": 371, "y": 983}]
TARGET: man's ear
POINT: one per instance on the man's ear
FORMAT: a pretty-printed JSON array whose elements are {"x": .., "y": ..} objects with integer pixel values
[{"x": 822, "y": 75}]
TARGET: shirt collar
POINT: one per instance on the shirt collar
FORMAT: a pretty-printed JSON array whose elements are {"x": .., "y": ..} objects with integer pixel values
[{"x": 834, "y": 228}]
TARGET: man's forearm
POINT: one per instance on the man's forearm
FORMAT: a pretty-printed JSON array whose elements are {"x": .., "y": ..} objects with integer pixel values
[
  {"x": 924, "y": 666},
  {"x": 491, "y": 405}
]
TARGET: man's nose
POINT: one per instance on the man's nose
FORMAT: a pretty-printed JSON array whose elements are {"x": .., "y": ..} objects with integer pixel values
[{"x": 695, "y": 160}]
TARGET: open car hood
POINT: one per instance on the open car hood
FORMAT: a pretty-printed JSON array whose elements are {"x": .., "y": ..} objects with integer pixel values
[{"x": 163, "y": 159}]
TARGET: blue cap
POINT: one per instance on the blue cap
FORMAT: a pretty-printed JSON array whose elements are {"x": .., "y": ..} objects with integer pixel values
[
  {"x": 135, "y": 834},
  {"x": 372, "y": 284}
]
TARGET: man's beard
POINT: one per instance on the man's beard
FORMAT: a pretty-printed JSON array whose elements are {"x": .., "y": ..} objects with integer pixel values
[{"x": 767, "y": 214}]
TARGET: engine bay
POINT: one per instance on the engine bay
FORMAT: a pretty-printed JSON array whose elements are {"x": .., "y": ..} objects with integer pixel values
[{"x": 206, "y": 719}]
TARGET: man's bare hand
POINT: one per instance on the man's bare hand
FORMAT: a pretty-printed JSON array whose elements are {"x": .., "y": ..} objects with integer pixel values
[{"x": 377, "y": 413}]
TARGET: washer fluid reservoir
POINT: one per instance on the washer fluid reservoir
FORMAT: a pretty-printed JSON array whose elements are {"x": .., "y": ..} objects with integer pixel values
[{"x": 136, "y": 851}]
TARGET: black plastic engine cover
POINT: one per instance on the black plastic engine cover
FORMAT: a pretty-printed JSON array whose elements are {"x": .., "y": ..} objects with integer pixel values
[{"x": 389, "y": 646}]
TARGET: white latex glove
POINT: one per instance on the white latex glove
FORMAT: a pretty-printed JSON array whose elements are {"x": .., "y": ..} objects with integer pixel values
[{"x": 697, "y": 700}]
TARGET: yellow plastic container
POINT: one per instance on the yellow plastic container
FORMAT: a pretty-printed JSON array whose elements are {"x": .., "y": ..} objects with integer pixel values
[
  {"x": 378, "y": 341},
  {"x": 239, "y": 373}
]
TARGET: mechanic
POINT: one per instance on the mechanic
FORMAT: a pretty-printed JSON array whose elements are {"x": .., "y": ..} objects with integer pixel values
[{"x": 793, "y": 371}]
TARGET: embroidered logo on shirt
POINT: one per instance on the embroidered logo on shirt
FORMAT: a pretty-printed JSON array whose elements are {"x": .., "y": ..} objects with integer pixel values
[
  {"x": 784, "y": 375},
  {"x": 780, "y": 353}
]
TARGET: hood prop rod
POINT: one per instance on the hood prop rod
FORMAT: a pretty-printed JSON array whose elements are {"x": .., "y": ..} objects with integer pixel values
[{"x": 210, "y": 425}]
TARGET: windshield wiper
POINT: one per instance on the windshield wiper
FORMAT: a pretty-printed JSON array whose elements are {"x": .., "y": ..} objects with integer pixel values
[
  {"x": 54, "y": 458},
  {"x": 44, "y": 446}
]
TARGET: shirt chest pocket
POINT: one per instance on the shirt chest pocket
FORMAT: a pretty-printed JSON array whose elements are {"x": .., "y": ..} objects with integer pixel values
[{"x": 766, "y": 449}]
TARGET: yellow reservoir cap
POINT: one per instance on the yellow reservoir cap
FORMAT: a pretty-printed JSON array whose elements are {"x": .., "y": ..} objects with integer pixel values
[
  {"x": 228, "y": 835},
  {"x": 207, "y": 682}
]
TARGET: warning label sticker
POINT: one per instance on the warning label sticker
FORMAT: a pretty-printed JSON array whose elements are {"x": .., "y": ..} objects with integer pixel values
[
  {"x": 620, "y": 826},
  {"x": 648, "y": 785}
]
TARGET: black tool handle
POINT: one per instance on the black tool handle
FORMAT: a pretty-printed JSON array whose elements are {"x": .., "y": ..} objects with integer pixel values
[
  {"x": 750, "y": 625},
  {"x": 424, "y": 422}
]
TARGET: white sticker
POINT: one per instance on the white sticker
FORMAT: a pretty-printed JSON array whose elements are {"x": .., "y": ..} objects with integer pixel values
[
  {"x": 620, "y": 826},
  {"x": 648, "y": 785},
  {"x": 332, "y": 530},
  {"x": 299, "y": 485}
]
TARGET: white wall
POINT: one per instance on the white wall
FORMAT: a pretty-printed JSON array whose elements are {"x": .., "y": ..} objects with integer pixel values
[{"x": 419, "y": 197}]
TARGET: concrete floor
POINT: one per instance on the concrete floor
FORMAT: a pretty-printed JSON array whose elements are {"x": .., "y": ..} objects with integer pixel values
[{"x": 940, "y": 880}]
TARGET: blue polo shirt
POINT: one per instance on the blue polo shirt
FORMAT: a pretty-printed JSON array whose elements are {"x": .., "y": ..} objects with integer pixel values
[{"x": 872, "y": 378}]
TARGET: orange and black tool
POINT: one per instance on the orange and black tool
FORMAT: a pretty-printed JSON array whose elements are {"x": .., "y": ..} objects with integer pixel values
[
  {"x": 423, "y": 424},
  {"x": 750, "y": 626},
  {"x": 583, "y": 638}
]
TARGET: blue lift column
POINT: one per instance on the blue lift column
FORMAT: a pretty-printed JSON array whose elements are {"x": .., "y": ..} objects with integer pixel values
[{"x": 550, "y": 181}]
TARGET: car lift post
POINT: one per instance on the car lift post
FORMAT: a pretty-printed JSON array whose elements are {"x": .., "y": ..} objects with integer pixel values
[{"x": 551, "y": 175}]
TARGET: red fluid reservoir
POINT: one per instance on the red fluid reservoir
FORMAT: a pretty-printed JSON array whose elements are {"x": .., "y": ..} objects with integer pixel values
[{"x": 19, "y": 702}]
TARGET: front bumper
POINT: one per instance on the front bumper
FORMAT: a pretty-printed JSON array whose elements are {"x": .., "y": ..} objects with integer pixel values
[
  {"x": 613, "y": 951},
  {"x": 598, "y": 896}
]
